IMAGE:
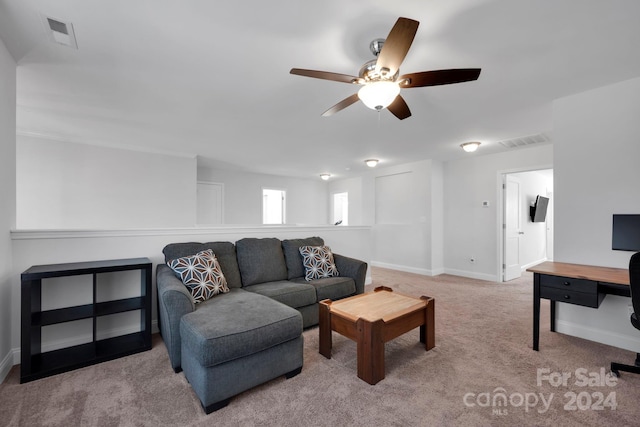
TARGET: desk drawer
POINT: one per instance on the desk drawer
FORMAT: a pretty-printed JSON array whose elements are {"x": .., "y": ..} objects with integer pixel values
[
  {"x": 569, "y": 284},
  {"x": 592, "y": 300}
]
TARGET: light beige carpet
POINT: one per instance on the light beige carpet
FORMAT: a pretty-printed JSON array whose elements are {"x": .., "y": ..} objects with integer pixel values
[{"x": 483, "y": 352}]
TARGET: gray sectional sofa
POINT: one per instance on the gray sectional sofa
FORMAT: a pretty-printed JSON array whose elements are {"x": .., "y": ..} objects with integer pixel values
[{"x": 253, "y": 333}]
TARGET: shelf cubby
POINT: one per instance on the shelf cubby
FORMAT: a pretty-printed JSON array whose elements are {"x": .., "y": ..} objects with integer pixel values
[{"x": 36, "y": 364}]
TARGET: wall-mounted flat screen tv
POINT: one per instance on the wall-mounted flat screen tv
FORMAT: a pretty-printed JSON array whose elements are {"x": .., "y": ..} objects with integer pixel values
[
  {"x": 626, "y": 233},
  {"x": 538, "y": 211}
]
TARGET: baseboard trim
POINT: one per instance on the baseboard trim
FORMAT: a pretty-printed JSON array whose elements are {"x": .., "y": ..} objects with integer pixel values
[
  {"x": 6, "y": 364},
  {"x": 605, "y": 337},
  {"x": 472, "y": 274},
  {"x": 531, "y": 264},
  {"x": 436, "y": 272},
  {"x": 407, "y": 269}
]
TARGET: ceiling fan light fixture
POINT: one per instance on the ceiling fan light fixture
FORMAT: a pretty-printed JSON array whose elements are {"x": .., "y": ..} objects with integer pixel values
[
  {"x": 325, "y": 176},
  {"x": 371, "y": 162},
  {"x": 470, "y": 147},
  {"x": 379, "y": 95}
]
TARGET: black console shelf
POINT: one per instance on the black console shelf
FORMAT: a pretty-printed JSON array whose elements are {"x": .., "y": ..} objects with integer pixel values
[{"x": 36, "y": 364}]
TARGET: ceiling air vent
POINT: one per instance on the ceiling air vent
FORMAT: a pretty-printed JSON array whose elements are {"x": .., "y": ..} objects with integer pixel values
[
  {"x": 525, "y": 141},
  {"x": 60, "y": 32}
]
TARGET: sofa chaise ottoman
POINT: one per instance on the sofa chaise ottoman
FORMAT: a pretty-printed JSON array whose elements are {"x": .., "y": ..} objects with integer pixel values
[{"x": 254, "y": 339}]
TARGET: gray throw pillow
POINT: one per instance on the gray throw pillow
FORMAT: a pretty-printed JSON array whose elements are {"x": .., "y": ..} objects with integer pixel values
[{"x": 292, "y": 255}]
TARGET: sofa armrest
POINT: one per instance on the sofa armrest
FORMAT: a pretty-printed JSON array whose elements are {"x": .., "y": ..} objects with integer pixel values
[
  {"x": 353, "y": 268},
  {"x": 174, "y": 301}
]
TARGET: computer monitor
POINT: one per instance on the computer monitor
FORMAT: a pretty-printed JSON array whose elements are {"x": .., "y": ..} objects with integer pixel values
[{"x": 626, "y": 232}]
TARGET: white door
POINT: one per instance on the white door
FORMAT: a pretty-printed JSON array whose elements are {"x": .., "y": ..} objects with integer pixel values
[
  {"x": 512, "y": 228},
  {"x": 209, "y": 197}
]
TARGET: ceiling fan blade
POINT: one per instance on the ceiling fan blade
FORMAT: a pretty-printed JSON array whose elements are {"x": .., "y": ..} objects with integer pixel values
[
  {"x": 325, "y": 75},
  {"x": 396, "y": 46},
  {"x": 341, "y": 105},
  {"x": 439, "y": 77},
  {"x": 399, "y": 108}
]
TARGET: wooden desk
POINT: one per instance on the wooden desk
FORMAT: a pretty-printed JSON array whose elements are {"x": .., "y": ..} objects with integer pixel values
[{"x": 585, "y": 285}]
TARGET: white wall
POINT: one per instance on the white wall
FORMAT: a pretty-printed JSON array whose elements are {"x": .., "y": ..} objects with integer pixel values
[
  {"x": 307, "y": 200},
  {"x": 597, "y": 156},
  {"x": 443, "y": 223},
  {"x": 7, "y": 198},
  {"x": 403, "y": 204},
  {"x": 470, "y": 229},
  {"x": 437, "y": 217},
  {"x": 64, "y": 185},
  {"x": 596, "y": 152}
]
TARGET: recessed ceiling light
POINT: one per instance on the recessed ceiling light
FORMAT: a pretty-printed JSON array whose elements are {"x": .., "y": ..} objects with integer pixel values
[
  {"x": 470, "y": 147},
  {"x": 371, "y": 162},
  {"x": 325, "y": 176}
]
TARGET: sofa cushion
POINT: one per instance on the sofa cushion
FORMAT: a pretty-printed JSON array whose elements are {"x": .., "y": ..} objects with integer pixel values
[
  {"x": 318, "y": 262},
  {"x": 293, "y": 294},
  {"x": 292, "y": 256},
  {"x": 237, "y": 324},
  {"x": 332, "y": 288},
  {"x": 201, "y": 274},
  {"x": 260, "y": 260},
  {"x": 225, "y": 252}
]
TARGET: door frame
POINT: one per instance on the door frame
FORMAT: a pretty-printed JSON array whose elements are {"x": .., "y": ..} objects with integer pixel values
[{"x": 501, "y": 175}]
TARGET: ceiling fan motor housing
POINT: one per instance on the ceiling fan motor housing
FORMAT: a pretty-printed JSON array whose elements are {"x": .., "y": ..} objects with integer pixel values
[{"x": 369, "y": 74}]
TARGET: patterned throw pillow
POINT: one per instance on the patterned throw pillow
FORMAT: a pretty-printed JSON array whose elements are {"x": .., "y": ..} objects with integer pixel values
[
  {"x": 201, "y": 274},
  {"x": 318, "y": 262}
]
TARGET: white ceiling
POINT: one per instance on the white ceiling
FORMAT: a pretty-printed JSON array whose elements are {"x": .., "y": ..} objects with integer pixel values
[{"x": 211, "y": 78}]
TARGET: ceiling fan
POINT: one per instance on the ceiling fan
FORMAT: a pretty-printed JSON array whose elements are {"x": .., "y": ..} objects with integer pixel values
[{"x": 380, "y": 78}]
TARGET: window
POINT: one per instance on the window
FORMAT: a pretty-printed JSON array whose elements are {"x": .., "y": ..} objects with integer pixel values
[
  {"x": 341, "y": 208},
  {"x": 273, "y": 206}
]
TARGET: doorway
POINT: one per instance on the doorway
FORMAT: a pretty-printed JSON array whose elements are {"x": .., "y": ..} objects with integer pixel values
[
  {"x": 340, "y": 208},
  {"x": 524, "y": 243},
  {"x": 209, "y": 199}
]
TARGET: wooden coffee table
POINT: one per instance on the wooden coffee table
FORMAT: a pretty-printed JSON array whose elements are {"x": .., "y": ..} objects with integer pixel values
[{"x": 373, "y": 319}]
